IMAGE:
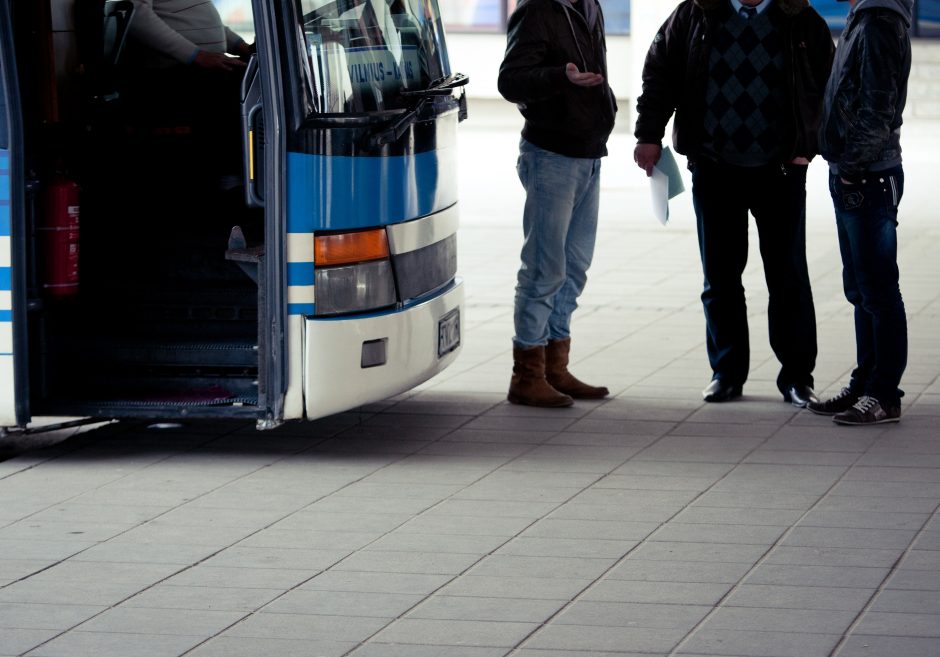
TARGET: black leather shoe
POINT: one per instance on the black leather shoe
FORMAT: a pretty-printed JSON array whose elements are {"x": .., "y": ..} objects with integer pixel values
[
  {"x": 719, "y": 391},
  {"x": 800, "y": 395}
]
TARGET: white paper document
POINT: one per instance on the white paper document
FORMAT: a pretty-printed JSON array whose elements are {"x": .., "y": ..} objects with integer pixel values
[{"x": 665, "y": 183}]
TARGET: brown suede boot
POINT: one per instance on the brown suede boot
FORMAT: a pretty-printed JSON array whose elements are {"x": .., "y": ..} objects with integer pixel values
[
  {"x": 558, "y": 376},
  {"x": 528, "y": 385}
]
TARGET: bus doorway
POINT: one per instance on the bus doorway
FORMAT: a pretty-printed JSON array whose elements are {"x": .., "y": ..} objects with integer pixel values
[{"x": 133, "y": 307}]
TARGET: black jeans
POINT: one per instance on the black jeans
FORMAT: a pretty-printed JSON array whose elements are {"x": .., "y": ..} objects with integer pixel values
[
  {"x": 776, "y": 195},
  {"x": 867, "y": 219}
]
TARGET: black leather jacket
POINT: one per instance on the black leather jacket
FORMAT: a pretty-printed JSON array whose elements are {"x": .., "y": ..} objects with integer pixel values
[
  {"x": 544, "y": 36},
  {"x": 861, "y": 126},
  {"x": 676, "y": 69}
]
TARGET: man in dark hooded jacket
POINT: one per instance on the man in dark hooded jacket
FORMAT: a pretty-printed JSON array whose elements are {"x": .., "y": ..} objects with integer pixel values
[
  {"x": 555, "y": 70},
  {"x": 745, "y": 80},
  {"x": 860, "y": 137}
]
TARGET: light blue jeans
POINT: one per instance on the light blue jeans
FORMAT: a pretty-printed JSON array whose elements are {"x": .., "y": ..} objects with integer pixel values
[{"x": 560, "y": 225}]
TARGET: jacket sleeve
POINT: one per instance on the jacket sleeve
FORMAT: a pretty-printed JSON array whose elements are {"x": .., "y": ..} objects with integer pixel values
[
  {"x": 152, "y": 31},
  {"x": 525, "y": 75},
  {"x": 663, "y": 75},
  {"x": 821, "y": 52},
  {"x": 232, "y": 41},
  {"x": 880, "y": 58}
]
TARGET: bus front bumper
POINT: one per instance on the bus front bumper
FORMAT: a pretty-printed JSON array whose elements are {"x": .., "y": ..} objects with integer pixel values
[{"x": 349, "y": 362}]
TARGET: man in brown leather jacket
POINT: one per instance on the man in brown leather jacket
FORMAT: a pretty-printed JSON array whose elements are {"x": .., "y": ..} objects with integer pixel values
[{"x": 745, "y": 80}]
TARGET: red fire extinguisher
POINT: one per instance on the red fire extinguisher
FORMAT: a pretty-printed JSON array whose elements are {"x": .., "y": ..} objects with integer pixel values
[{"x": 59, "y": 238}]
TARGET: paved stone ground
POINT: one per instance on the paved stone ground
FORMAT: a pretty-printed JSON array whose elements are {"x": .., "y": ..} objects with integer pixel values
[{"x": 447, "y": 523}]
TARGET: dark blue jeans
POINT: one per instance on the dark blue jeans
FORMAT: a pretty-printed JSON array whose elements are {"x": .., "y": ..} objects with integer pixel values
[
  {"x": 867, "y": 220},
  {"x": 776, "y": 195}
]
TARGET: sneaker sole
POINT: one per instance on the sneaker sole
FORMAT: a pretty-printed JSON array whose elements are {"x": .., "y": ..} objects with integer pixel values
[
  {"x": 886, "y": 420},
  {"x": 820, "y": 412}
]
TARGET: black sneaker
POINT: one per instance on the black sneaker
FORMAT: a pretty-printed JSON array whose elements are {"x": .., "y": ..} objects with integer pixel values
[
  {"x": 868, "y": 410},
  {"x": 838, "y": 404}
]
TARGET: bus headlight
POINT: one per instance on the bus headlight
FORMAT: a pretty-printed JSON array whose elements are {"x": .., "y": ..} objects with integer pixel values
[
  {"x": 354, "y": 288},
  {"x": 353, "y": 272}
]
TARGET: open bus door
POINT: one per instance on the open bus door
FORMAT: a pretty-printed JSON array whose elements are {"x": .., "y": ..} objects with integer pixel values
[
  {"x": 136, "y": 311},
  {"x": 263, "y": 152},
  {"x": 14, "y": 408}
]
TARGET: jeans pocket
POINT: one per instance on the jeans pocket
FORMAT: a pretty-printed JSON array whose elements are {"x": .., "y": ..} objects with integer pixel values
[
  {"x": 894, "y": 190},
  {"x": 522, "y": 167},
  {"x": 795, "y": 172},
  {"x": 852, "y": 197}
]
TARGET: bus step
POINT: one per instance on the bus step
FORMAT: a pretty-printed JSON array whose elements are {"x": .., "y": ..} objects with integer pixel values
[
  {"x": 248, "y": 258},
  {"x": 182, "y": 392},
  {"x": 233, "y": 354}
]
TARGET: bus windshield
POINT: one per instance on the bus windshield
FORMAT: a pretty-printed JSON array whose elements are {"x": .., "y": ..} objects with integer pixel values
[{"x": 361, "y": 54}]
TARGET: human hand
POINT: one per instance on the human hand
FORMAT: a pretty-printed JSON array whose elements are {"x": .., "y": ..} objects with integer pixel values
[
  {"x": 802, "y": 161},
  {"x": 244, "y": 50},
  {"x": 582, "y": 79},
  {"x": 646, "y": 156},
  {"x": 218, "y": 61}
]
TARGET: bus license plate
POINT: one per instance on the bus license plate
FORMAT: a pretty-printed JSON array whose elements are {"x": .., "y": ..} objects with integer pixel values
[{"x": 448, "y": 332}]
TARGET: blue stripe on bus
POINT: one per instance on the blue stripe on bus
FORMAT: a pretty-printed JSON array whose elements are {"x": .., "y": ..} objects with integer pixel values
[
  {"x": 6, "y": 315},
  {"x": 300, "y": 273},
  {"x": 4, "y": 193},
  {"x": 336, "y": 192},
  {"x": 300, "y": 309},
  {"x": 5, "y": 279}
]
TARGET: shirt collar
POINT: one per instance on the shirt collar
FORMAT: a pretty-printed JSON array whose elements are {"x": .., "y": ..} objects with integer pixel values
[{"x": 736, "y": 5}]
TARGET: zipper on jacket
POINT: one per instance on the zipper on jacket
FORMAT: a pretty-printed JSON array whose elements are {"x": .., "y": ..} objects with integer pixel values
[
  {"x": 574, "y": 35},
  {"x": 595, "y": 41}
]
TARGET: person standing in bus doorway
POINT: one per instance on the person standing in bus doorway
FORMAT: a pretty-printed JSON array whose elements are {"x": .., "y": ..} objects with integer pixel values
[
  {"x": 187, "y": 32},
  {"x": 860, "y": 138},
  {"x": 182, "y": 73},
  {"x": 555, "y": 70},
  {"x": 745, "y": 79}
]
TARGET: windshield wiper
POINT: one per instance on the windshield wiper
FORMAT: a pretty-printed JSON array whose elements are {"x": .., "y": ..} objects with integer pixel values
[
  {"x": 440, "y": 87},
  {"x": 392, "y": 132}
]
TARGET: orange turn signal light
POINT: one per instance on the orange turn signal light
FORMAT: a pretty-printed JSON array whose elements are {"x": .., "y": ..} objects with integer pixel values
[{"x": 347, "y": 248}]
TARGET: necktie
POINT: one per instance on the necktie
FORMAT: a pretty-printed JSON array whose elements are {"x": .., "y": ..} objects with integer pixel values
[{"x": 747, "y": 12}]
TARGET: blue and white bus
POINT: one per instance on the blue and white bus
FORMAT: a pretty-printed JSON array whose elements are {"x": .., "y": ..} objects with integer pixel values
[{"x": 136, "y": 283}]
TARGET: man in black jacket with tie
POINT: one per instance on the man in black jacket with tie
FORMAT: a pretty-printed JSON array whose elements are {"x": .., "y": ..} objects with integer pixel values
[{"x": 745, "y": 80}]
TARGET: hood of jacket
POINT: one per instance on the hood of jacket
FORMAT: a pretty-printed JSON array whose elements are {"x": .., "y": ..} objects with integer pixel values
[
  {"x": 788, "y": 7},
  {"x": 904, "y": 7},
  {"x": 591, "y": 9}
]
